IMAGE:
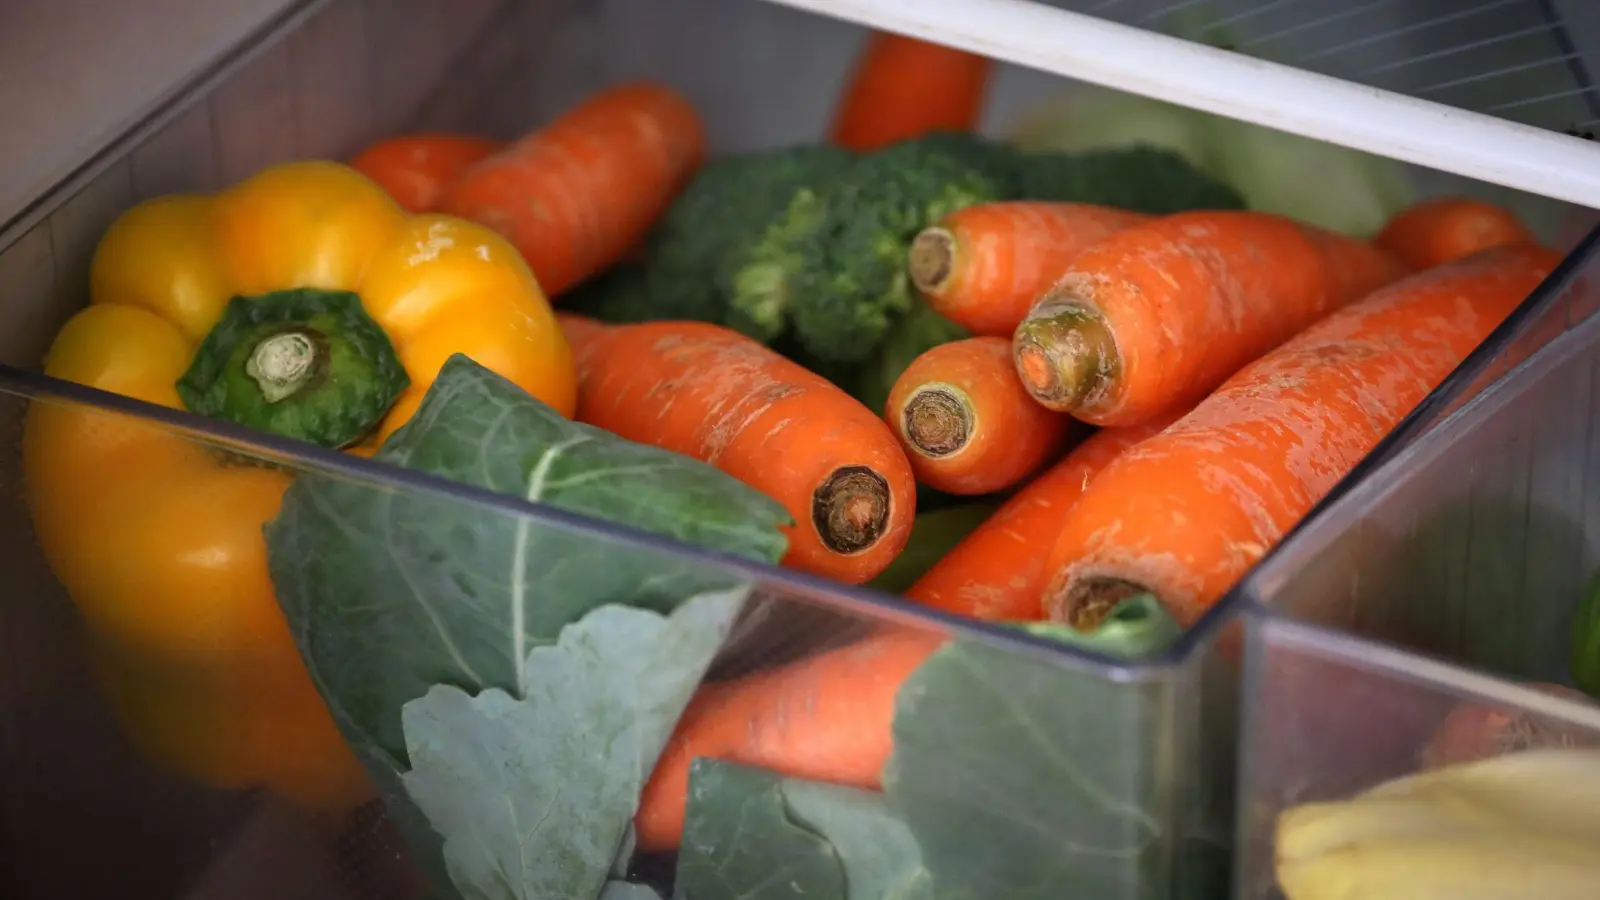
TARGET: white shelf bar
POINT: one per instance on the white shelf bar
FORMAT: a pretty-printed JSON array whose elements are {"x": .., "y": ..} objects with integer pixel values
[{"x": 1231, "y": 84}]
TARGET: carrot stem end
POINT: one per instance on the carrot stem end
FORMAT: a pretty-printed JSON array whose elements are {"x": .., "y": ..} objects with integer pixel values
[
  {"x": 850, "y": 510},
  {"x": 1065, "y": 355},
  {"x": 931, "y": 259},
  {"x": 1091, "y": 601},
  {"x": 937, "y": 421}
]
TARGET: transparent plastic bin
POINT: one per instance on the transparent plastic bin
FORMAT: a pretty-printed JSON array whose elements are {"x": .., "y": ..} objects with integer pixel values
[
  {"x": 1444, "y": 579},
  {"x": 88, "y": 810}
]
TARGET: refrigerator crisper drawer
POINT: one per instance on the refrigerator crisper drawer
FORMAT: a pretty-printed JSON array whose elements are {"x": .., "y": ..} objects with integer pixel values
[
  {"x": 1426, "y": 615},
  {"x": 1022, "y": 766}
]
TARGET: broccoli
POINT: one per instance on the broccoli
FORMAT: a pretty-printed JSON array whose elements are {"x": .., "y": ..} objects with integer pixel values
[
  {"x": 758, "y": 274},
  {"x": 616, "y": 295},
  {"x": 729, "y": 199},
  {"x": 918, "y": 331},
  {"x": 804, "y": 247},
  {"x": 1140, "y": 178},
  {"x": 844, "y": 299}
]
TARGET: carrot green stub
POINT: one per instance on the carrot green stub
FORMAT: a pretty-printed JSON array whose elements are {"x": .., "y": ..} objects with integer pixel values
[
  {"x": 307, "y": 364},
  {"x": 1157, "y": 314},
  {"x": 1066, "y": 355}
]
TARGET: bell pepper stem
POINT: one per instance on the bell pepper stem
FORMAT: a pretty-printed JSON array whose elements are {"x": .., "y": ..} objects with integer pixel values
[
  {"x": 284, "y": 363},
  {"x": 302, "y": 363}
]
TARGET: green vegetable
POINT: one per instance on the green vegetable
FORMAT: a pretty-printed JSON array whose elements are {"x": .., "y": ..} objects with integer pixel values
[
  {"x": 761, "y": 275},
  {"x": 880, "y": 857},
  {"x": 1586, "y": 642},
  {"x": 1143, "y": 179},
  {"x": 750, "y": 834},
  {"x": 712, "y": 229},
  {"x": 392, "y": 592},
  {"x": 618, "y": 295},
  {"x": 919, "y": 331},
  {"x": 845, "y": 299},
  {"x": 933, "y": 534},
  {"x": 1019, "y": 778},
  {"x": 309, "y": 364},
  {"x": 1316, "y": 182},
  {"x": 533, "y": 792}
]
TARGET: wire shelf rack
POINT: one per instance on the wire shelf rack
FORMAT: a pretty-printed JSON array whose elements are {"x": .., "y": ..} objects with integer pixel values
[
  {"x": 1501, "y": 91},
  {"x": 1518, "y": 60}
]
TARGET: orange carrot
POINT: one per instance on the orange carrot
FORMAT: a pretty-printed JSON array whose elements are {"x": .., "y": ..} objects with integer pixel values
[
  {"x": 1445, "y": 229},
  {"x": 967, "y": 424},
  {"x": 904, "y": 88},
  {"x": 709, "y": 392},
  {"x": 983, "y": 266},
  {"x": 998, "y": 572},
  {"x": 578, "y": 328},
  {"x": 581, "y": 192},
  {"x": 1155, "y": 316},
  {"x": 1186, "y": 513},
  {"x": 415, "y": 168},
  {"x": 1474, "y": 731},
  {"x": 824, "y": 718}
]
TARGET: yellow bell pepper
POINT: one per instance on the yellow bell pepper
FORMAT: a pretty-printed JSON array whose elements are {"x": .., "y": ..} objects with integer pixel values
[{"x": 302, "y": 301}]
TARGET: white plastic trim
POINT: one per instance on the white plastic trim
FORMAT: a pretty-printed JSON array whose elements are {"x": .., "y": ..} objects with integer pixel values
[{"x": 1316, "y": 106}]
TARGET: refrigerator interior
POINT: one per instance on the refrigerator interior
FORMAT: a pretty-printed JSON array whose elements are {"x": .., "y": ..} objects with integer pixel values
[{"x": 83, "y": 816}]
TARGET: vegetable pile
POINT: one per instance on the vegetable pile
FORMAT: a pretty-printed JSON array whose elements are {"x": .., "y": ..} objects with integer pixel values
[{"x": 1075, "y": 393}]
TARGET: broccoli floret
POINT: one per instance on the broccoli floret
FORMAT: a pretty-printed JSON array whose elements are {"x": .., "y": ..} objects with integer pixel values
[
  {"x": 754, "y": 273},
  {"x": 617, "y": 295},
  {"x": 1141, "y": 178},
  {"x": 918, "y": 331},
  {"x": 728, "y": 200},
  {"x": 844, "y": 300}
]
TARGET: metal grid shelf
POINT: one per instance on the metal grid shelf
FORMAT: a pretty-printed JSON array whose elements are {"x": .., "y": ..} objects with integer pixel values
[{"x": 1496, "y": 90}]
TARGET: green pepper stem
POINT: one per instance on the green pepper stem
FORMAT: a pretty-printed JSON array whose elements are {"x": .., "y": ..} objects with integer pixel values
[
  {"x": 284, "y": 363},
  {"x": 1065, "y": 354},
  {"x": 303, "y": 363}
]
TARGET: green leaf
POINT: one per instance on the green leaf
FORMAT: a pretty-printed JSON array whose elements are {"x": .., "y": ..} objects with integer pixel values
[
  {"x": 740, "y": 844},
  {"x": 391, "y": 591},
  {"x": 1020, "y": 778},
  {"x": 533, "y": 796},
  {"x": 751, "y": 834},
  {"x": 880, "y": 857}
]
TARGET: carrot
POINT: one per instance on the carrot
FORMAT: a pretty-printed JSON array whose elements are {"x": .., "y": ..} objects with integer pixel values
[
  {"x": 1444, "y": 229},
  {"x": 828, "y": 717},
  {"x": 578, "y": 194},
  {"x": 1155, "y": 316},
  {"x": 904, "y": 88},
  {"x": 998, "y": 571},
  {"x": 1475, "y": 731},
  {"x": 415, "y": 168},
  {"x": 578, "y": 328},
  {"x": 709, "y": 392},
  {"x": 1186, "y": 513},
  {"x": 983, "y": 266},
  {"x": 967, "y": 424}
]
